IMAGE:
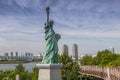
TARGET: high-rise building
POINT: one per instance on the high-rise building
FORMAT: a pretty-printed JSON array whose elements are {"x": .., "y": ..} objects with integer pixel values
[
  {"x": 16, "y": 53},
  {"x": 32, "y": 54},
  {"x": 112, "y": 50},
  {"x": 11, "y": 53},
  {"x": 5, "y": 54},
  {"x": 26, "y": 54},
  {"x": 75, "y": 51},
  {"x": 65, "y": 49}
]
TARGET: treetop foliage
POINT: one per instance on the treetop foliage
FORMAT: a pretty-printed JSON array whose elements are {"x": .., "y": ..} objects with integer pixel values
[
  {"x": 70, "y": 69},
  {"x": 103, "y": 58},
  {"x": 20, "y": 69}
]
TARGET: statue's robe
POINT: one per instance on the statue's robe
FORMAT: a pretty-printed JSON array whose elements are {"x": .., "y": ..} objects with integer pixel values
[{"x": 51, "y": 42}]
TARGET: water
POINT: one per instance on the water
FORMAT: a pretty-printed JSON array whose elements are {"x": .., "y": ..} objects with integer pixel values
[{"x": 28, "y": 66}]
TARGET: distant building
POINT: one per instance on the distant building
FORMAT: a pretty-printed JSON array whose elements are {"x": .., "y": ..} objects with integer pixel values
[
  {"x": 31, "y": 54},
  {"x": 112, "y": 50},
  {"x": 6, "y": 54},
  {"x": 28, "y": 54},
  {"x": 75, "y": 51},
  {"x": 17, "y": 56},
  {"x": 16, "y": 53},
  {"x": 118, "y": 52},
  {"x": 11, "y": 54},
  {"x": 65, "y": 49},
  {"x": 38, "y": 57},
  {"x": 25, "y": 54}
]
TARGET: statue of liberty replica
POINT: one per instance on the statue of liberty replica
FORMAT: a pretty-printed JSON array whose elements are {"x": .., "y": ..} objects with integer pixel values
[
  {"x": 50, "y": 69},
  {"x": 51, "y": 42}
]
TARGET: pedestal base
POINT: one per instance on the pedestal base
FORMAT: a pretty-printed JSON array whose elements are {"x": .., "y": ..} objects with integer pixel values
[{"x": 49, "y": 71}]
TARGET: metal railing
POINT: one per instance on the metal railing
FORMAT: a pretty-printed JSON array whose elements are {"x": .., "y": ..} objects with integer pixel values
[{"x": 107, "y": 73}]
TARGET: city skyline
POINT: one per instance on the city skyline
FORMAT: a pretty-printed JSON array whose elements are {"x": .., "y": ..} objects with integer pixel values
[{"x": 92, "y": 24}]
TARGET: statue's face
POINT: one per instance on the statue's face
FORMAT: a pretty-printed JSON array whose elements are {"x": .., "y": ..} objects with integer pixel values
[{"x": 51, "y": 22}]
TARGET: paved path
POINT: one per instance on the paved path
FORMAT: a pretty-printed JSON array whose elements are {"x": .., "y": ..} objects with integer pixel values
[{"x": 105, "y": 73}]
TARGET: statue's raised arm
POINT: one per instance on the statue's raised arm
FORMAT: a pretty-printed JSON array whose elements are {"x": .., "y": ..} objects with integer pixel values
[
  {"x": 47, "y": 11},
  {"x": 51, "y": 42}
]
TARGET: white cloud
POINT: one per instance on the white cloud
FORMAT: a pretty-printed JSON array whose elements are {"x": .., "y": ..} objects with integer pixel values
[
  {"x": 87, "y": 33},
  {"x": 2, "y": 39},
  {"x": 74, "y": 20},
  {"x": 14, "y": 27}
]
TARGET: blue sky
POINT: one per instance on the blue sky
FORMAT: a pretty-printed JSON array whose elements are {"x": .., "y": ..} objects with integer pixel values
[{"x": 92, "y": 24}]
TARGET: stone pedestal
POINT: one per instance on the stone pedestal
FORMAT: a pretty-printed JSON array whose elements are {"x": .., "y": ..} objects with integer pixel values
[{"x": 49, "y": 71}]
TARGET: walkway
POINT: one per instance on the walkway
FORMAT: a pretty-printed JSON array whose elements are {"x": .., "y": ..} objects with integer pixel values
[{"x": 105, "y": 73}]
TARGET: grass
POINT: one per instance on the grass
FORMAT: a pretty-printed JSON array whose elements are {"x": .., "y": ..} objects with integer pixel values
[{"x": 13, "y": 61}]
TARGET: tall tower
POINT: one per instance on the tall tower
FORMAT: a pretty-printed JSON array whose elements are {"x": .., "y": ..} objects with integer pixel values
[
  {"x": 65, "y": 49},
  {"x": 5, "y": 54},
  {"x": 75, "y": 51},
  {"x": 113, "y": 50},
  {"x": 26, "y": 54},
  {"x": 32, "y": 54},
  {"x": 11, "y": 54},
  {"x": 16, "y": 54}
]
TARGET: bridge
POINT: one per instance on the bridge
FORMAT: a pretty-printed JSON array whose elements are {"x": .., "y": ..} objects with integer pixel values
[{"x": 106, "y": 73}]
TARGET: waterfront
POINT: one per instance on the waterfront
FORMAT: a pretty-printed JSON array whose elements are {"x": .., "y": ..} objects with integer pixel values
[{"x": 28, "y": 66}]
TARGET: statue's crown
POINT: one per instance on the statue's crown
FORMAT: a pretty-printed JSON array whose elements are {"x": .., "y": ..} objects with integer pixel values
[{"x": 51, "y": 21}]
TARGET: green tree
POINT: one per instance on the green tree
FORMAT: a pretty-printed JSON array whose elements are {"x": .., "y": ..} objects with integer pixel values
[
  {"x": 107, "y": 59},
  {"x": 19, "y": 69},
  {"x": 35, "y": 73},
  {"x": 7, "y": 74},
  {"x": 70, "y": 69},
  {"x": 100, "y": 57},
  {"x": 103, "y": 58},
  {"x": 1, "y": 74},
  {"x": 24, "y": 75},
  {"x": 114, "y": 63},
  {"x": 86, "y": 60}
]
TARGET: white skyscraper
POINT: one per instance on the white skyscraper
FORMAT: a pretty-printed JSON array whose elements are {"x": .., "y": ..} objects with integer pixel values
[
  {"x": 75, "y": 51},
  {"x": 65, "y": 49}
]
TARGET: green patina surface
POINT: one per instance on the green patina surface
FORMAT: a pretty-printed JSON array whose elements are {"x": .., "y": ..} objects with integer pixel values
[{"x": 51, "y": 42}]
